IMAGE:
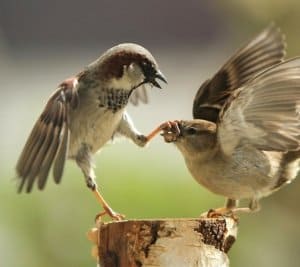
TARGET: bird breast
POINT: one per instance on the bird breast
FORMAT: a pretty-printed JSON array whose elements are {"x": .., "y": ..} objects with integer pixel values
[
  {"x": 247, "y": 173},
  {"x": 95, "y": 121}
]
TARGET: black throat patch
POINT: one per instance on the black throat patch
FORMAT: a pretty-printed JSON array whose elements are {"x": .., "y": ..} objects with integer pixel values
[{"x": 113, "y": 99}]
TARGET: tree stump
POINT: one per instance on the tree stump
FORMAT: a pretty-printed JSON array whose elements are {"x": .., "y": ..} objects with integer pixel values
[{"x": 201, "y": 242}]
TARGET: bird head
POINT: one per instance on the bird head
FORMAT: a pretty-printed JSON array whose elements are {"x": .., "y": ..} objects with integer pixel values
[
  {"x": 195, "y": 138},
  {"x": 129, "y": 66}
]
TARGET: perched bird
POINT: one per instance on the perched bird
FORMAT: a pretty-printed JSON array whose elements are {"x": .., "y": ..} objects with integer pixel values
[
  {"x": 244, "y": 140},
  {"x": 84, "y": 113}
]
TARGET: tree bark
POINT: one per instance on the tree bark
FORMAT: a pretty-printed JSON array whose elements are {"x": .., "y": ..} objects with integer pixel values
[{"x": 201, "y": 242}]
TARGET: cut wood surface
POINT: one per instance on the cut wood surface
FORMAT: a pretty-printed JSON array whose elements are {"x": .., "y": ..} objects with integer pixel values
[{"x": 201, "y": 242}]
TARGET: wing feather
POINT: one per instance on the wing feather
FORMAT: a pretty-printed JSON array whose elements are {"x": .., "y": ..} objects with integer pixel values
[
  {"x": 139, "y": 95},
  {"x": 61, "y": 155},
  {"x": 265, "y": 113},
  {"x": 48, "y": 156},
  {"x": 48, "y": 142},
  {"x": 38, "y": 156},
  {"x": 262, "y": 52}
]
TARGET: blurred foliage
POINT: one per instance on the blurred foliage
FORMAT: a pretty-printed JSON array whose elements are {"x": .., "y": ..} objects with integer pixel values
[
  {"x": 242, "y": 16},
  {"x": 49, "y": 228}
]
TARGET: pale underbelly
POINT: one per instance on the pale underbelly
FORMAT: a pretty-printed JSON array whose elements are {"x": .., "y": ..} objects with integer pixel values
[
  {"x": 227, "y": 181},
  {"x": 93, "y": 131},
  {"x": 227, "y": 187}
]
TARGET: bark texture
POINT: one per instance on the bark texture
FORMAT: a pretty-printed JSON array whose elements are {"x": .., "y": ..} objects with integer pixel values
[{"x": 201, "y": 242}]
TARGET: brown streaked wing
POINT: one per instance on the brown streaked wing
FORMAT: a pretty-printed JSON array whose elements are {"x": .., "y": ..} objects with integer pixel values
[
  {"x": 262, "y": 52},
  {"x": 265, "y": 113},
  {"x": 61, "y": 155},
  {"x": 48, "y": 141}
]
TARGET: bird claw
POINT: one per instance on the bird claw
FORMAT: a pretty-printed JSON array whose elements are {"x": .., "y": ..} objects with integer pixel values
[
  {"x": 112, "y": 214},
  {"x": 169, "y": 128},
  {"x": 169, "y": 138},
  {"x": 220, "y": 212},
  {"x": 171, "y": 131}
]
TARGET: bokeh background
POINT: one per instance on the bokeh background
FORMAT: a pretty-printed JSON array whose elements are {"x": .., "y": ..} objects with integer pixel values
[{"x": 44, "y": 42}]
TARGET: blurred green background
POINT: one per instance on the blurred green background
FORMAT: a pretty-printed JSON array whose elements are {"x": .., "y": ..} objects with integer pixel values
[{"x": 44, "y": 42}]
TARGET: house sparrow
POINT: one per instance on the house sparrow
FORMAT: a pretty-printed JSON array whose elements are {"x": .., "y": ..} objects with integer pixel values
[
  {"x": 84, "y": 113},
  {"x": 263, "y": 51},
  {"x": 245, "y": 145}
]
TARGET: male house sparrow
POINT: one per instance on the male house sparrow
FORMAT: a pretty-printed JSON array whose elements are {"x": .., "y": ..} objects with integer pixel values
[
  {"x": 84, "y": 113},
  {"x": 244, "y": 140}
]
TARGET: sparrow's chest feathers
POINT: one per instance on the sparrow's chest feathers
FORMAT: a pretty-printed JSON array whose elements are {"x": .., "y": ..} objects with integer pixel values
[
  {"x": 96, "y": 118},
  {"x": 105, "y": 95},
  {"x": 245, "y": 174},
  {"x": 113, "y": 99}
]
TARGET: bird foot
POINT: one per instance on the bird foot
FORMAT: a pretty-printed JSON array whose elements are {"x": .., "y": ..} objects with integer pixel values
[
  {"x": 107, "y": 209},
  {"x": 169, "y": 127},
  {"x": 221, "y": 212},
  {"x": 112, "y": 214},
  {"x": 171, "y": 131}
]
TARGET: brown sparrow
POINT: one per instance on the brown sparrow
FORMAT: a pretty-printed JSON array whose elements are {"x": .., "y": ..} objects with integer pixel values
[
  {"x": 84, "y": 113},
  {"x": 244, "y": 140}
]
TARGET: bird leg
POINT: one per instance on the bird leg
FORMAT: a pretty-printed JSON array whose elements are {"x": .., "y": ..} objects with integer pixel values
[
  {"x": 126, "y": 128},
  {"x": 169, "y": 128},
  {"x": 252, "y": 207},
  {"x": 107, "y": 209},
  {"x": 228, "y": 210},
  {"x": 231, "y": 208},
  {"x": 85, "y": 162}
]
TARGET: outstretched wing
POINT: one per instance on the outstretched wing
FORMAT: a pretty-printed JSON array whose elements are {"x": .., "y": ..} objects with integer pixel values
[
  {"x": 265, "y": 113},
  {"x": 264, "y": 51},
  {"x": 139, "y": 95},
  {"x": 48, "y": 142}
]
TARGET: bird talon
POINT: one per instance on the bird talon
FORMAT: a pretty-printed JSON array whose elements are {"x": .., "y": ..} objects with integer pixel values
[
  {"x": 171, "y": 131},
  {"x": 169, "y": 137},
  {"x": 220, "y": 212},
  {"x": 170, "y": 127},
  {"x": 112, "y": 214},
  {"x": 99, "y": 216},
  {"x": 212, "y": 213}
]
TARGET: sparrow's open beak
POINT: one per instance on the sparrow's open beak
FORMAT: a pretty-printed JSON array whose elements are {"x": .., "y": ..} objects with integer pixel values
[{"x": 158, "y": 75}]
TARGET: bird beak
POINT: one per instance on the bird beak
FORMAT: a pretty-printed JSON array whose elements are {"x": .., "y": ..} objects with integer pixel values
[{"x": 158, "y": 75}]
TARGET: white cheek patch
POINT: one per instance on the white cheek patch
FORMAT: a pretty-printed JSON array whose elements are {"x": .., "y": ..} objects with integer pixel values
[
  {"x": 135, "y": 72},
  {"x": 132, "y": 76},
  {"x": 123, "y": 83},
  {"x": 130, "y": 69}
]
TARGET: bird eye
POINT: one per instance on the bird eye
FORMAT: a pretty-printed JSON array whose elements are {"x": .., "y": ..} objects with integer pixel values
[
  {"x": 148, "y": 68},
  {"x": 191, "y": 130}
]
